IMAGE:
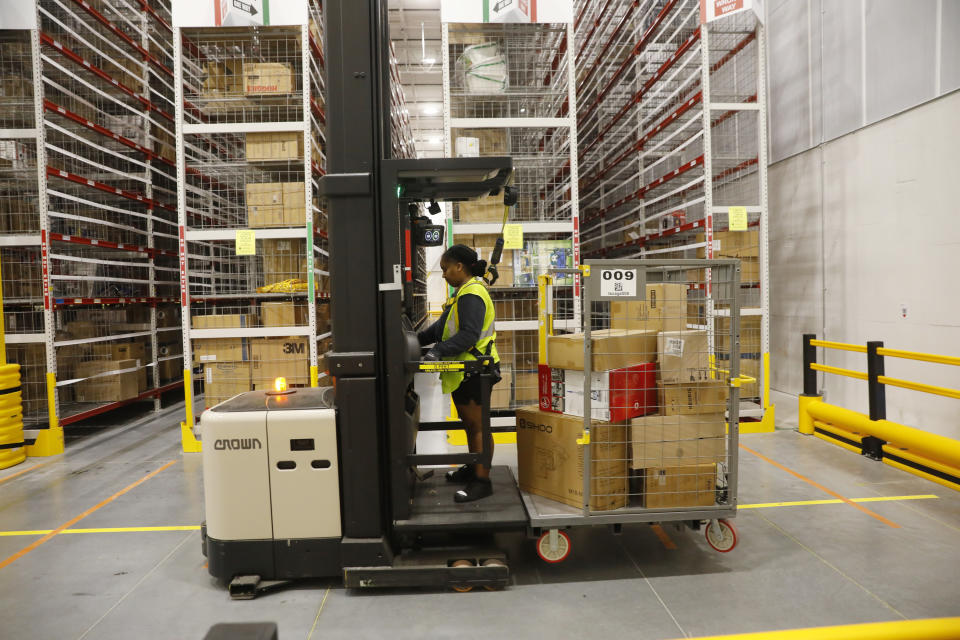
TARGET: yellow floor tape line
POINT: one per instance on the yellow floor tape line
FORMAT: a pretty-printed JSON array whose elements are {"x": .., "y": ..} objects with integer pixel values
[
  {"x": 193, "y": 527},
  {"x": 801, "y": 503},
  {"x": 43, "y": 532}
]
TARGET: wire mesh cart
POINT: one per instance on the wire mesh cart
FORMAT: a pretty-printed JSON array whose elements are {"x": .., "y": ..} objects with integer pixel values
[{"x": 637, "y": 418}]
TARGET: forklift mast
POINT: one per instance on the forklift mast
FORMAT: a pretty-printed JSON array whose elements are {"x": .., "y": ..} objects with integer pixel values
[
  {"x": 358, "y": 135},
  {"x": 372, "y": 203}
]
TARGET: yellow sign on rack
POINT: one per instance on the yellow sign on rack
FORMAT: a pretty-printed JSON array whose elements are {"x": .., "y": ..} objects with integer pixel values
[
  {"x": 738, "y": 218},
  {"x": 513, "y": 236},
  {"x": 246, "y": 242}
]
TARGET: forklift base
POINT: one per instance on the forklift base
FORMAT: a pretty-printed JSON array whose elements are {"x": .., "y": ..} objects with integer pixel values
[
  {"x": 435, "y": 511},
  {"x": 459, "y": 568}
]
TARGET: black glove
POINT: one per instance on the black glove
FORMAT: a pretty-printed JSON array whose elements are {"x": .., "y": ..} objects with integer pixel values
[{"x": 431, "y": 356}]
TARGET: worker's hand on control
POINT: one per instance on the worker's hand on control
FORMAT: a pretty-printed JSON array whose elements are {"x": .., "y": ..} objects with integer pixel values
[{"x": 431, "y": 356}]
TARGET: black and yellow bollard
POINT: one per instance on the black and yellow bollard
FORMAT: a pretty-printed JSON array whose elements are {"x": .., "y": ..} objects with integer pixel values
[{"x": 12, "y": 448}]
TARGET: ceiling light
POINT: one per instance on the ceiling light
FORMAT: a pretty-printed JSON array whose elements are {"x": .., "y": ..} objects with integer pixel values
[
  {"x": 431, "y": 111},
  {"x": 429, "y": 61},
  {"x": 433, "y": 140}
]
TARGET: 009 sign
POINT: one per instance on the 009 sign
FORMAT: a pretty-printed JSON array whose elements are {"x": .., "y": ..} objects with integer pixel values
[{"x": 618, "y": 283}]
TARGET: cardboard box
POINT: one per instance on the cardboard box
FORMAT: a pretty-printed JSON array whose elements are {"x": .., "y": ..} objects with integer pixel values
[
  {"x": 731, "y": 244},
  {"x": 749, "y": 334},
  {"x": 294, "y": 204},
  {"x": 283, "y": 259},
  {"x": 264, "y": 204},
  {"x": 287, "y": 145},
  {"x": 612, "y": 349},
  {"x": 665, "y": 309},
  {"x": 673, "y": 441},
  {"x": 749, "y": 270},
  {"x": 171, "y": 370},
  {"x": 268, "y": 78},
  {"x": 485, "y": 209},
  {"x": 224, "y": 321},
  {"x": 102, "y": 386},
  {"x": 221, "y": 350},
  {"x": 500, "y": 395},
  {"x": 525, "y": 387},
  {"x": 505, "y": 277},
  {"x": 126, "y": 351},
  {"x": 223, "y": 380},
  {"x": 694, "y": 398},
  {"x": 683, "y": 356},
  {"x": 616, "y": 395},
  {"x": 550, "y": 462},
  {"x": 283, "y": 314},
  {"x": 280, "y": 357},
  {"x": 691, "y": 486}
]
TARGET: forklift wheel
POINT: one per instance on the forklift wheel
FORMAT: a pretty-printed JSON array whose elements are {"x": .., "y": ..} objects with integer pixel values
[
  {"x": 462, "y": 588},
  {"x": 493, "y": 562},
  {"x": 555, "y": 555},
  {"x": 721, "y": 535}
]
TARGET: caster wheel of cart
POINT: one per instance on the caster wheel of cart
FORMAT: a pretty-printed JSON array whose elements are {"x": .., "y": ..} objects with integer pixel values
[
  {"x": 463, "y": 588},
  {"x": 721, "y": 535},
  {"x": 554, "y": 553}
]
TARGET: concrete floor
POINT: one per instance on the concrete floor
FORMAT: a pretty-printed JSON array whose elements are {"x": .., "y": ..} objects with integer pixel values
[{"x": 795, "y": 566}]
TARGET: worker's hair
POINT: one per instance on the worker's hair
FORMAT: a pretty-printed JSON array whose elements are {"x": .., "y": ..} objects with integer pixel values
[{"x": 467, "y": 257}]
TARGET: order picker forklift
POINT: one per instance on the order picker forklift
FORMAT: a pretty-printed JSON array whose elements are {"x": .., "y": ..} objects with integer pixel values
[{"x": 302, "y": 484}]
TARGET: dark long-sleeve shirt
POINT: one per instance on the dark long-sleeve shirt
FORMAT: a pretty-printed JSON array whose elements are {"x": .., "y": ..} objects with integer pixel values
[{"x": 471, "y": 311}]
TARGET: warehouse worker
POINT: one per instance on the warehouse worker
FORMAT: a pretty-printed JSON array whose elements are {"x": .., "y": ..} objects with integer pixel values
[{"x": 465, "y": 331}]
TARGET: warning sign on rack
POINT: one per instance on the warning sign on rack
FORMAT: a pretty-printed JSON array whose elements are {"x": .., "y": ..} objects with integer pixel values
[{"x": 246, "y": 242}]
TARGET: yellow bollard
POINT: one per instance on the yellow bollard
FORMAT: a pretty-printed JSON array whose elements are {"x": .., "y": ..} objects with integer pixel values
[
  {"x": 806, "y": 420},
  {"x": 49, "y": 441},
  {"x": 188, "y": 442}
]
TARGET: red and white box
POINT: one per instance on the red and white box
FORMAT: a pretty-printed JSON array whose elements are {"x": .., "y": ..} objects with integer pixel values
[{"x": 615, "y": 396}]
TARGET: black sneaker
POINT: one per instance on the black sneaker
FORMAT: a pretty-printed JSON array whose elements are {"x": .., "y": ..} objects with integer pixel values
[
  {"x": 463, "y": 475},
  {"x": 476, "y": 489}
]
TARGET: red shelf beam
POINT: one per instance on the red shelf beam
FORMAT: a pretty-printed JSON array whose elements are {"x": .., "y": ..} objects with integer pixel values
[
  {"x": 103, "y": 75},
  {"x": 151, "y": 393},
  {"x": 100, "y": 186},
  {"x": 106, "y": 244},
  {"x": 99, "y": 17}
]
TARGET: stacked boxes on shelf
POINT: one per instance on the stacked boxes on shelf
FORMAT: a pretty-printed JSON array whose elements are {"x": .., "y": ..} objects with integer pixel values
[{"x": 257, "y": 251}]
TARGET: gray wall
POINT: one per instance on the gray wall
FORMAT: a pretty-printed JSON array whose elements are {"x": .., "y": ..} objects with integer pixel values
[
  {"x": 859, "y": 227},
  {"x": 838, "y": 65}
]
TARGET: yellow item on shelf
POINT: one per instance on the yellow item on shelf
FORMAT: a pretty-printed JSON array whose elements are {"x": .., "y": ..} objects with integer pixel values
[{"x": 292, "y": 285}]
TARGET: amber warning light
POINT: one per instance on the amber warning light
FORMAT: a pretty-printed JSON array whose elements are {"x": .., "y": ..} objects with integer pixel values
[{"x": 280, "y": 385}]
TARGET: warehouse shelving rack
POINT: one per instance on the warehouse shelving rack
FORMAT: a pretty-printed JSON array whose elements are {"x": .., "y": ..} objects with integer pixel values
[
  {"x": 673, "y": 135},
  {"x": 88, "y": 231},
  {"x": 250, "y": 142},
  {"x": 531, "y": 118}
]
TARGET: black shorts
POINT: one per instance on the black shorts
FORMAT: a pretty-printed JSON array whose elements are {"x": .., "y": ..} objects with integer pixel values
[{"x": 469, "y": 390}]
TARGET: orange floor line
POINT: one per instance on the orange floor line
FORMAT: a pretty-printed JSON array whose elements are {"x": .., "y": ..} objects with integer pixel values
[
  {"x": 23, "y": 471},
  {"x": 823, "y": 488},
  {"x": 664, "y": 538},
  {"x": 36, "y": 543}
]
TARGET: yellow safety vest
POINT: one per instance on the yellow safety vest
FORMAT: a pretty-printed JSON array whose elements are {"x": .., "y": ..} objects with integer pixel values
[{"x": 451, "y": 380}]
